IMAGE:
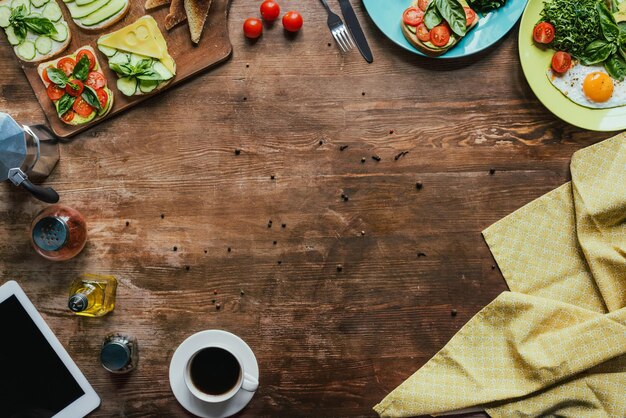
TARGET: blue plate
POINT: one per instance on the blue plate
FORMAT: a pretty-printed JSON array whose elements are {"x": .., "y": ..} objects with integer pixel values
[{"x": 387, "y": 15}]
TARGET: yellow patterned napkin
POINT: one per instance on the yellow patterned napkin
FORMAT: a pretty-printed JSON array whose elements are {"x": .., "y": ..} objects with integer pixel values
[{"x": 556, "y": 344}]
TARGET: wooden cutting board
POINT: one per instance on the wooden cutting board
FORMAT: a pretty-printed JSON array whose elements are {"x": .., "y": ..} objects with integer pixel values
[{"x": 214, "y": 48}]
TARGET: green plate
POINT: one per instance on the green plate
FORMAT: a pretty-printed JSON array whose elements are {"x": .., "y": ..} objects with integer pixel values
[{"x": 535, "y": 62}]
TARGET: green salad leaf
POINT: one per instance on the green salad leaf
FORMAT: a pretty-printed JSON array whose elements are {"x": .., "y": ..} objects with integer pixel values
[
  {"x": 485, "y": 5},
  {"x": 22, "y": 23},
  {"x": 597, "y": 51},
  {"x": 432, "y": 17},
  {"x": 616, "y": 67},
  {"x": 454, "y": 14},
  {"x": 89, "y": 95},
  {"x": 81, "y": 70},
  {"x": 57, "y": 76},
  {"x": 64, "y": 104}
]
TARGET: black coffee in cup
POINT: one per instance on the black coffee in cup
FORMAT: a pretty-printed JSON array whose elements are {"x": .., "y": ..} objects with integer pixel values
[{"x": 214, "y": 371}]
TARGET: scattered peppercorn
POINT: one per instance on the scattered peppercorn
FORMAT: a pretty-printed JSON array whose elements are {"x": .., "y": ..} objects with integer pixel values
[
  {"x": 272, "y": 177},
  {"x": 237, "y": 151},
  {"x": 391, "y": 132},
  {"x": 321, "y": 142},
  {"x": 376, "y": 158},
  {"x": 215, "y": 291},
  {"x": 242, "y": 292},
  {"x": 493, "y": 267},
  {"x": 419, "y": 185},
  {"x": 339, "y": 267},
  {"x": 492, "y": 171},
  {"x": 162, "y": 216},
  {"x": 363, "y": 160},
  {"x": 275, "y": 242},
  {"x": 453, "y": 312},
  {"x": 213, "y": 301},
  {"x": 218, "y": 306},
  {"x": 175, "y": 248},
  {"x": 229, "y": 249},
  {"x": 284, "y": 225},
  {"x": 421, "y": 254},
  {"x": 362, "y": 232},
  {"x": 187, "y": 268},
  {"x": 205, "y": 251},
  {"x": 127, "y": 223},
  {"x": 345, "y": 197},
  {"x": 280, "y": 262}
]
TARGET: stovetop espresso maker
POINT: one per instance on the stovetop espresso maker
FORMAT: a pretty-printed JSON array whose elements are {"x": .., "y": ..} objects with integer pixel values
[{"x": 28, "y": 153}]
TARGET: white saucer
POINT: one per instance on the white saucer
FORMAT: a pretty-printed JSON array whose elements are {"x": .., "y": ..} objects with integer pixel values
[{"x": 179, "y": 361}]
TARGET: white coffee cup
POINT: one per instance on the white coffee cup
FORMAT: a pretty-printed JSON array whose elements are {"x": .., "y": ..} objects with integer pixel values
[{"x": 244, "y": 381}]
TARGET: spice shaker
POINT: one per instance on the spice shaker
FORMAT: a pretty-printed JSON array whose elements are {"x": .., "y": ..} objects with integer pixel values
[
  {"x": 119, "y": 353},
  {"x": 58, "y": 233}
]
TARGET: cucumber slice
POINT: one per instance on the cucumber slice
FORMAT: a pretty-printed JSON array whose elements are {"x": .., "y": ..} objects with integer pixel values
[
  {"x": 106, "y": 108},
  {"x": 112, "y": 8},
  {"x": 136, "y": 58},
  {"x": 11, "y": 36},
  {"x": 127, "y": 85},
  {"x": 43, "y": 44},
  {"x": 26, "y": 50},
  {"x": 17, "y": 3},
  {"x": 5, "y": 14},
  {"x": 163, "y": 72},
  {"x": 62, "y": 32},
  {"x": 120, "y": 58},
  {"x": 109, "y": 52},
  {"x": 39, "y": 3},
  {"x": 147, "y": 86},
  {"x": 84, "y": 2},
  {"x": 53, "y": 12}
]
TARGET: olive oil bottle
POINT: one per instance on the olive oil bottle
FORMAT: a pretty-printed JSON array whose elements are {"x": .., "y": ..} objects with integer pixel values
[{"x": 92, "y": 295}]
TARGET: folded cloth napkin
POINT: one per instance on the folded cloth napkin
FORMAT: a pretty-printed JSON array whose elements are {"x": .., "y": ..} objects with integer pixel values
[{"x": 555, "y": 345}]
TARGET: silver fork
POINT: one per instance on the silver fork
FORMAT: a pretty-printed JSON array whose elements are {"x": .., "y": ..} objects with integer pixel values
[{"x": 338, "y": 30}]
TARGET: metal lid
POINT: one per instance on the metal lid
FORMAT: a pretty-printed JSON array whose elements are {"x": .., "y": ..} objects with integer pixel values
[
  {"x": 78, "y": 302},
  {"x": 50, "y": 233},
  {"x": 12, "y": 145},
  {"x": 115, "y": 356}
]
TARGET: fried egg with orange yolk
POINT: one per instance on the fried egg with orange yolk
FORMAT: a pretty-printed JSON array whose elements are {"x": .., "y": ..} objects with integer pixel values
[{"x": 590, "y": 86}]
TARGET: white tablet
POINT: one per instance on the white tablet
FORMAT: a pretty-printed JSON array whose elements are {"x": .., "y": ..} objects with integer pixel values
[{"x": 38, "y": 379}]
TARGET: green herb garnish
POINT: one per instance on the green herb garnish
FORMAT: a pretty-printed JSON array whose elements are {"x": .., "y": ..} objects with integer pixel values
[
  {"x": 142, "y": 70},
  {"x": 485, "y": 5},
  {"x": 22, "y": 23}
]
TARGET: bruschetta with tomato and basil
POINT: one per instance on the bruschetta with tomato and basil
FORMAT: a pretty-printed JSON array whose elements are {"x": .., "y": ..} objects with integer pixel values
[
  {"x": 77, "y": 87},
  {"x": 435, "y": 26}
]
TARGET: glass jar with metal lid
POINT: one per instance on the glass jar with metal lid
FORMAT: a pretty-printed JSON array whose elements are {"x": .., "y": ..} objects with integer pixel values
[{"x": 119, "y": 353}]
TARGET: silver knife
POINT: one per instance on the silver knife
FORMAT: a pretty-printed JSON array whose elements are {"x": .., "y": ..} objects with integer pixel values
[{"x": 355, "y": 30}]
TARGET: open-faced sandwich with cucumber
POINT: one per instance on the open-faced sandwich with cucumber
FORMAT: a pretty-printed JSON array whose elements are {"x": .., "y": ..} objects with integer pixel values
[
  {"x": 77, "y": 87},
  {"x": 35, "y": 28},
  {"x": 97, "y": 14},
  {"x": 435, "y": 26},
  {"x": 138, "y": 54}
]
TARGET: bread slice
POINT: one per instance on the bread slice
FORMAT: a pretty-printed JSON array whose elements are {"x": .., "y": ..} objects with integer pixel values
[
  {"x": 176, "y": 15},
  {"x": 429, "y": 50},
  {"x": 106, "y": 23},
  {"x": 154, "y": 4},
  {"x": 197, "y": 12},
  {"x": 57, "y": 47}
]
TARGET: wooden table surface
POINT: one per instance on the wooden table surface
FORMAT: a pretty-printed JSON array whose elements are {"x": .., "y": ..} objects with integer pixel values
[{"x": 343, "y": 299}]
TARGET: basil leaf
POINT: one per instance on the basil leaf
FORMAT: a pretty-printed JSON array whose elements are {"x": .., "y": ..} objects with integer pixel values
[
  {"x": 40, "y": 25},
  {"x": 64, "y": 104},
  {"x": 486, "y": 5},
  {"x": 20, "y": 31},
  {"x": 17, "y": 14},
  {"x": 454, "y": 14},
  {"x": 57, "y": 76},
  {"x": 90, "y": 96},
  {"x": 81, "y": 70},
  {"x": 432, "y": 17},
  {"x": 622, "y": 33},
  {"x": 149, "y": 75},
  {"x": 597, "y": 51},
  {"x": 121, "y": 69},
  {"x": 616, "y": 67},
  {"x": 610, "y": 30}
]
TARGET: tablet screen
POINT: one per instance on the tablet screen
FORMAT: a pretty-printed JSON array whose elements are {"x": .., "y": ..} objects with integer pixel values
[{"x": 34, "y": 382}]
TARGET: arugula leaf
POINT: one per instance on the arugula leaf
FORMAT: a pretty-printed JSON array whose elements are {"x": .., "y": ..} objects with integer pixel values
[
  {"x": 64, "y": 104},
  {"x": 90, "y": 96},
  {"x": 57, "y": 76},
  {"x": 454, "y": 14},
  {"x": 432, "y": 17},
  {"x": 616, "y": 67},
  {"x": 597, "y": 51},
  {"x": 81, "y": 70},
  {"x": 40, "y": 25},
  {"x": 610, "y": 30}
]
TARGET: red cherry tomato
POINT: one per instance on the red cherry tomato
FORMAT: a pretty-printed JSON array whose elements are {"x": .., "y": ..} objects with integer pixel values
[
  {"x": 54, "y": 92},
  {"x": 423, "y": 34},
  {"x": 440, "y": 35},
  {"x": 543, "y": 33},
  {"x": 68, "y": 116},
  {"x": 95, "y": 80},
  {"x": 270, "y": 10},
  {"x": 74, "y": 88},
  {"x": 423, "y": 4},
  {"x": 66, "y": 65},
  {"x": 103, "y": 97},
  {"x": 413, "y": 16},
  {"x": 561, "y": 61},
  {"x": 253, "y": 28},
  {"x": 44, "y": 74},
  {"x": 470, "y": 15},
  {"x": 292, "y": 21},
  {"x": 81, "y": 107},
  {"x": 92, "y": 59}
]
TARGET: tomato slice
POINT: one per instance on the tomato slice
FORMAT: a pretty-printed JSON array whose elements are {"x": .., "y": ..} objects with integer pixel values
[
  {"x": 561, "y": 61},
  {"x": 54, "y": 92},
  {"x": 68, "y": 116},
  {"x": 81, "y": 107},
  {"x": 423, "y": 4},
  {"x": 543, "y": 33},
  {"x": 413, "y": 16},
  {"x": 440, "y": 35},
  {"x": 95, "y": 80},
  {"x": 470, "y": 15},
  {"x": 44, "y": 74},
  {"x": 66, "y": 65},
  {"x": 103, "y": 97},
  {"x": 92, "y": 59},
  {"x": 74, "y": 88},
  {"x": 423, "y": 34}
]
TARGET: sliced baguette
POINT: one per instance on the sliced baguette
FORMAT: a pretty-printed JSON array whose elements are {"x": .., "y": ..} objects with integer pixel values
[
  {"x": 197, "y": 12},
  {"x": 176, "y": 15},
  {"x": 106, "y": 23},
  {"x": 155, "y": 4},
  {"x": 433, "y": 51}
]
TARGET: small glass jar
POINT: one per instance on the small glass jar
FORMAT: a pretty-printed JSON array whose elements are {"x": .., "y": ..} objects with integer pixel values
[
  {"x": 58, "y": 233},
  {"x": 119, "y": 353}
]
